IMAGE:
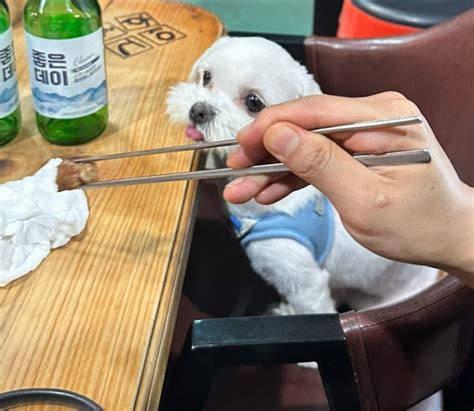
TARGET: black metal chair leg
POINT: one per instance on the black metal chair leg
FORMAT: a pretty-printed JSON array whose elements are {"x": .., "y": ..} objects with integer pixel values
[
  {"x": 191, "y": 381},
  {"x": 337, "y": 376}
]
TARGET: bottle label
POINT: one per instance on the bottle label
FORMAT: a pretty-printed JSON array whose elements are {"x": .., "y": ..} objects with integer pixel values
[
  {"x": 9, "y": 99},
  {"x": 67, "y": 77}
]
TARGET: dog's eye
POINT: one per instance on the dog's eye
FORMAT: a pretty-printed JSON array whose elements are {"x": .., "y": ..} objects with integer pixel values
[
  {"x": 254, "y": 104},
  {"x": 206, "y": 78}
]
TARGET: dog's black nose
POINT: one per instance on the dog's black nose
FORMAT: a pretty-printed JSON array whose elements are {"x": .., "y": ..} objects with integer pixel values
[{"x": 201, "y": 113}]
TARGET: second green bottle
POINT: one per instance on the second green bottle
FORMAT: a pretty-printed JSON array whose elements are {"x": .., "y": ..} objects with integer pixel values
[{"x": 67, "y": 69}]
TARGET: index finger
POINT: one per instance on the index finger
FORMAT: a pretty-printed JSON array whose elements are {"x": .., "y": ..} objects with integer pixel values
[{"x": 308, "y": 112}]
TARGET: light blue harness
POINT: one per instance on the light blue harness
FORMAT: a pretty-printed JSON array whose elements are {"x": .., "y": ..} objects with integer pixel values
[{"x": 312, "y": 226}]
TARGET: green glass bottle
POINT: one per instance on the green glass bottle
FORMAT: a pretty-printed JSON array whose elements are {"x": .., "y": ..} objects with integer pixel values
[
  {"x": 10, "y": 113},
  {"x": 67, "y": 69}
]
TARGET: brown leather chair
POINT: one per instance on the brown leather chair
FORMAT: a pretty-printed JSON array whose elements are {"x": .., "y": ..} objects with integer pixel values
[
  {"x": 387, "y": 358},
  {"x": 405, "y": 352},
  {"x": 434, "y": 68},
  {"x": 382, "y": 359}
]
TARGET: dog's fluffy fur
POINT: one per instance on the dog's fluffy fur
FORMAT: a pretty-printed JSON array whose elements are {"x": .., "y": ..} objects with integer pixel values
[{"x": 351, "y": 274}]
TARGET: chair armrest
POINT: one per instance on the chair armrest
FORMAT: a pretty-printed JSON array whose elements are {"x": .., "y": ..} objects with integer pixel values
[
  {"x": 264, "y": 340},
  {"x": 267, "y": 339}
]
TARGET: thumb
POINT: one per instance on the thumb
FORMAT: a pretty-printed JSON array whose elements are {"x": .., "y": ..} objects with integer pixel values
[{"x": 321, "y": 162}]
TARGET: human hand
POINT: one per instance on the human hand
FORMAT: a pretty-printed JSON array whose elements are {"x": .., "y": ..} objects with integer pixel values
[{"x": 420, "y": 213}]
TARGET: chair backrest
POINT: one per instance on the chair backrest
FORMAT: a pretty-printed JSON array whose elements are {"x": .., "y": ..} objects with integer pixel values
[
  {"x": 407, "y": 351},
  {"x": 434, "y": 68}
]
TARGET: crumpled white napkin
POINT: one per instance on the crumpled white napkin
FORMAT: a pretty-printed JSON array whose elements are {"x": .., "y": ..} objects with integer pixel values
[{"x": 35, "y": 218}]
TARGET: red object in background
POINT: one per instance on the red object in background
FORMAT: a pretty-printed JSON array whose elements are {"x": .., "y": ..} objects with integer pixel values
[{"x": 356, "y": 23}]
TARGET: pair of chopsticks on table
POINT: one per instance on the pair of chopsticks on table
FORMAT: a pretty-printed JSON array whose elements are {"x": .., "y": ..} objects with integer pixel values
[{"x": 369, "y": 160}]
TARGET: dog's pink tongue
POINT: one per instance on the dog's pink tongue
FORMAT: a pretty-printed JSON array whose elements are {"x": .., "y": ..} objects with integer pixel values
[{"x": 193, "y": 133}]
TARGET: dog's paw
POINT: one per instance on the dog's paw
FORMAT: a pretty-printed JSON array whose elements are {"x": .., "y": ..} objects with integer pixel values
[{"x": 281, "y": 309}]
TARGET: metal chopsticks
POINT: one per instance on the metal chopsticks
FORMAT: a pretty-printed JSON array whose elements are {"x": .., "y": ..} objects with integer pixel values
[
  {"x": 359, "y": 126},
  {"x": 369, "y": 160}
]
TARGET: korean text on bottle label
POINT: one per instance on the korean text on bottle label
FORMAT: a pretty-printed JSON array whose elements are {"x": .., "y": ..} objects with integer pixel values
[
  {"x": 68, "y": 78},
  {"x": 9, "y": 88}
]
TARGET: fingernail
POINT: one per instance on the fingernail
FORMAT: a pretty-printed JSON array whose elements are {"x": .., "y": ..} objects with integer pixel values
[
  {"x": 283, "y": 141},
  {"x": 235, "y": 182}
]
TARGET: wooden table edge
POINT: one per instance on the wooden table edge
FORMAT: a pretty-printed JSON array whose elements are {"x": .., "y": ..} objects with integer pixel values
[
  {"x": 149, "y": 395},
  {"x": 155, "y": 361}
]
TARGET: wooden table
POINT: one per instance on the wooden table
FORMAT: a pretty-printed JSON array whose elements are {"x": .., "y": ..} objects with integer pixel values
[{"x": 97, "y": 316}]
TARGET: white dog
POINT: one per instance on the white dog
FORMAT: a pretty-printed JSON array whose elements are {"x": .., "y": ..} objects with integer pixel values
[{"x": 315, "y": 265}]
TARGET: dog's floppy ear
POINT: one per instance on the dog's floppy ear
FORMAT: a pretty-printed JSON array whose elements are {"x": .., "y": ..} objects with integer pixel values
[{"x": 194, "y": 75}]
